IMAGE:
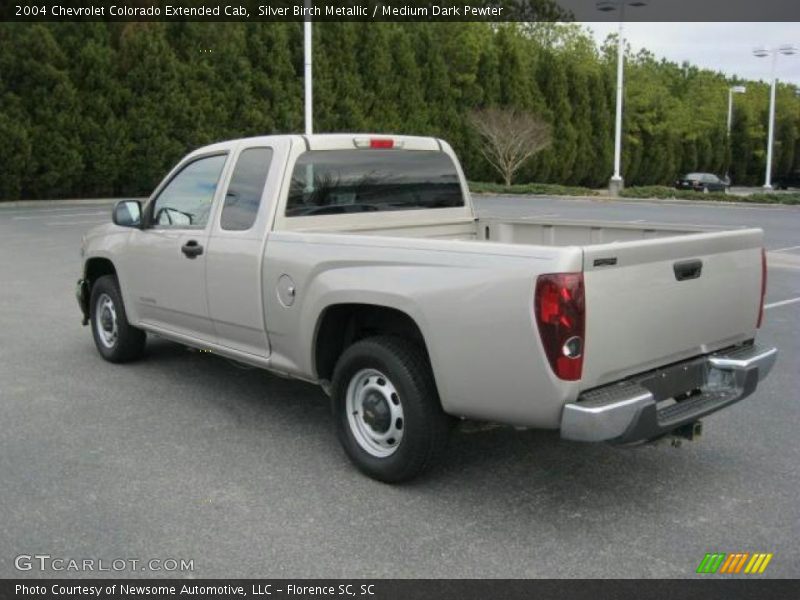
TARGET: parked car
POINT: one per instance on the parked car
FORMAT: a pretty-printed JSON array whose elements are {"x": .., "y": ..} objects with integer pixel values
[
  {"x": 784, "y": 182},
  {"x": 410, "y": 311},
  {"x": 702, "y": 182}
]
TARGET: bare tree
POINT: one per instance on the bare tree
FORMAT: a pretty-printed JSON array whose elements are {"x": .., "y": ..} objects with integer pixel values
[{"x": 510, "y": 137}]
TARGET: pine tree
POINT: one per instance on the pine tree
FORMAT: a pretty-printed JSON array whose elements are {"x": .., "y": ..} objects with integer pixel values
[
  {"x": 380, "y": 90},
  {"x": 96, "y": 109},
  {"x": 154, "y": 107},
  {"x": 39, "y": 78},
  {"x": 92, "y": 70}
]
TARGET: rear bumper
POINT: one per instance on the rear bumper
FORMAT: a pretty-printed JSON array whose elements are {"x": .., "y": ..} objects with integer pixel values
[{"x": 640, "y": 408}]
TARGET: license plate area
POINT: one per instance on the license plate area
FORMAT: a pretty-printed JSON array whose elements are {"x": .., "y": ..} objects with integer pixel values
[{"x": 689, "y": 388}]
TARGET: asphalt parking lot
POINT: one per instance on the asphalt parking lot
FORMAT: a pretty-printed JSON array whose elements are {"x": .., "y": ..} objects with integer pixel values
[{"x": 185, "y": 456}]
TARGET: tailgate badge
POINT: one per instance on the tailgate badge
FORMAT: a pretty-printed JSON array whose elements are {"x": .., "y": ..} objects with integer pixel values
[{"x": 605, "y": 262}]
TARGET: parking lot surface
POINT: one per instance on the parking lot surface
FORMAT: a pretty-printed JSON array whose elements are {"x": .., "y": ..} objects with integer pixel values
[{"x": 184, "y": 455}]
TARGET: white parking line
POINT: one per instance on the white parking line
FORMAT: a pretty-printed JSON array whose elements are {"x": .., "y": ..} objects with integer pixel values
[
  {"x": 67, "y": 216},
  {"x": 785, "y": 249},
  {"x": 57, "y": 223},
  {"x": 782, "y": 303},
  {"x": 543, "y": 216},
  {"x": 17, "y": 211},
  {"x": 20, "y": 242}
]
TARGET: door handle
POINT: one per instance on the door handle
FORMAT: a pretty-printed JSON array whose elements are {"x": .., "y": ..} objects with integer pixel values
[
  {"x": 688, "y": 269},
  {"x": 192, "y": 249}
]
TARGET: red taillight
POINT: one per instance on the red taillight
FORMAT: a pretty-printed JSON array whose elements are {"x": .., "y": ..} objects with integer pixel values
[
  {"x": 381, "y": 143},
  {"x": 560, "y": 315},
  {"x": 763, "y": 287}
]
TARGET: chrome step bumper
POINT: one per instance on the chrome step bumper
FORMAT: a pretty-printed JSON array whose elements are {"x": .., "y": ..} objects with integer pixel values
[{"x": 629, "y": 411}]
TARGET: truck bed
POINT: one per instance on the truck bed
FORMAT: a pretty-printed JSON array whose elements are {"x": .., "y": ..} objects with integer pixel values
[
  {"x": 539, "y": 232},
  {"x": 640, "y": 315}
]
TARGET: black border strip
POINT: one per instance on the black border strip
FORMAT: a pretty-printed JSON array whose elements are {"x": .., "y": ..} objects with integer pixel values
[
  {"x": 401, "y": 10},
  {"x": 707, "y": 588}
]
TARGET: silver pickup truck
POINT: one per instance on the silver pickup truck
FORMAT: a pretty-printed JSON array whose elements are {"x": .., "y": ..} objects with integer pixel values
[{"x": 356, "y": 262}]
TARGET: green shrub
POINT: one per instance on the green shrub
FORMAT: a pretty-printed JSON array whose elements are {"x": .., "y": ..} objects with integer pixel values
[
  {"x": 764, "y": 198},
  {"x": 661, "y": 191},
  {"x": 479, "y": 187},
  {"x": 641, "y": 192}
]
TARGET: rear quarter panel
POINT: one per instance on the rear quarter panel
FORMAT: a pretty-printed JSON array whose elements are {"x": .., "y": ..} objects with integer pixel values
[{"x": 472, "y": 301}]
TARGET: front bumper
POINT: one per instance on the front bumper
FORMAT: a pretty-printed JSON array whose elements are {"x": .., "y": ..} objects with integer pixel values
[
  {"x": 82, "y": 295},
  {"x": 655, "y": 403}
]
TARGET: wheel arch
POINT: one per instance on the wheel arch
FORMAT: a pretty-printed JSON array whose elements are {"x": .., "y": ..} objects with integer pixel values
[
  {"x": 340, "y": 325},
  {"x": 96, "y": 267}
]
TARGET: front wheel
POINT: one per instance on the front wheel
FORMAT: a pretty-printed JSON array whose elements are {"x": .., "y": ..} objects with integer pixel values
[
  {"x": 116, "y": 339},
  {"x": 388, "y": 416}
]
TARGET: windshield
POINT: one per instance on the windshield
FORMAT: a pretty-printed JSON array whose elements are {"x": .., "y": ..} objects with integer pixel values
[{"x": 348, "y": 181}]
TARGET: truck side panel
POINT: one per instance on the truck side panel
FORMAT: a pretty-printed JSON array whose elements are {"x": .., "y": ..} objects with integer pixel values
[{"x": 473, "y": 306}]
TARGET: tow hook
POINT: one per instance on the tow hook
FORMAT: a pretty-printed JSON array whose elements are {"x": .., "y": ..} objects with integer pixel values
[{"x": 690, "y": 431}]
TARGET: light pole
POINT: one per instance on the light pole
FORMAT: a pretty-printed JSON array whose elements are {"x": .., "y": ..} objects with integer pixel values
[
  {"x": 307, "y": 56},
  {"x": 308, "y": 81},
  {"x": 736, "y": 89},
  {"x": 787, "y": 50},
  {"x": 616, "y": 183}
]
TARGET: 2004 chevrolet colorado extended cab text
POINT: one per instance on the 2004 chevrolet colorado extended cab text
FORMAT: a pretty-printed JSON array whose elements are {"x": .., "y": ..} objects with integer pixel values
[{"x": 356, "y": 262}]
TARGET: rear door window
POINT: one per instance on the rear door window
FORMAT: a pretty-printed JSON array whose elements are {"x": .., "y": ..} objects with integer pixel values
[
  {"x": 244, "y": 193},
  {"x": 328, "y": 182}
]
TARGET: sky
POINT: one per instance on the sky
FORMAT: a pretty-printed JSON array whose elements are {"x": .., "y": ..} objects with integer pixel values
[{"x": 726, "y": 47}]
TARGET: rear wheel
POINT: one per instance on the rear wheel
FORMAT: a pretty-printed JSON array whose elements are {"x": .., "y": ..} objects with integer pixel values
[
  {"x": 388, "y": 416},
  {"x": 116, "y": 339}
]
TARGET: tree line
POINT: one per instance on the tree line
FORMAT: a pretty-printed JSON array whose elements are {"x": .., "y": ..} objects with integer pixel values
[{"x": 104, "y": 109}]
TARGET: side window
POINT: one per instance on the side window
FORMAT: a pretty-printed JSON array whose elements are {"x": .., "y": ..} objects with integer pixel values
[
  {"x": 245, "y": 189},
  {"x": 187, "y": 199}
]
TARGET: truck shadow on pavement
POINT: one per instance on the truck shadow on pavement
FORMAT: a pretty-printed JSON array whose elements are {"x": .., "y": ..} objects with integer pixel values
[{"x": 477, "y": 455}]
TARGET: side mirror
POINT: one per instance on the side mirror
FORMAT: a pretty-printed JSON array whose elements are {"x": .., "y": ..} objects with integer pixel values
[{"x": 127, "y": 213}]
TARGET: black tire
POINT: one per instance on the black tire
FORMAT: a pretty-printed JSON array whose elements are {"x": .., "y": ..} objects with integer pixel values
[
  {"x": 128, "y": 343},
  {"x": 425, "y": 427}
]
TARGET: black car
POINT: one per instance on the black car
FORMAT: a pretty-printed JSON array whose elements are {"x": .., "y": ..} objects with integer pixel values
[
  {"x": 702, "y": 182},
  {"x": 786, "y": 181}
]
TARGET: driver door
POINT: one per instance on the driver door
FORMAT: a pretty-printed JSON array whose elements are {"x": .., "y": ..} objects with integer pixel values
[{"x": 167, "y": 260}]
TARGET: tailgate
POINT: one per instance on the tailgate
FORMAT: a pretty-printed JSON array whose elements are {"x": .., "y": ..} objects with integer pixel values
[{"x": 654, "y": 302}]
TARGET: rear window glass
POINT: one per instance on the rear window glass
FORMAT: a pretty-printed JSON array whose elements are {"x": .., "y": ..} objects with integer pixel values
[{"x": 328, "y": 182}]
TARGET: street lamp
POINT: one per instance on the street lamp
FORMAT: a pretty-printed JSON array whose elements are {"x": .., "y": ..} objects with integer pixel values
[
  {"x": 308, "y": 81},
  {"x": 616, "y": 184},
  {"x": 762, "y": 52},
  {"x": 736, "y": 89}
]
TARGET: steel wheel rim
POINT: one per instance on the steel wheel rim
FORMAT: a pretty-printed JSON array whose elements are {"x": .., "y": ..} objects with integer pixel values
[
  {"x": 105, "y": 321},
  {"x": 375, "y": 413}
]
